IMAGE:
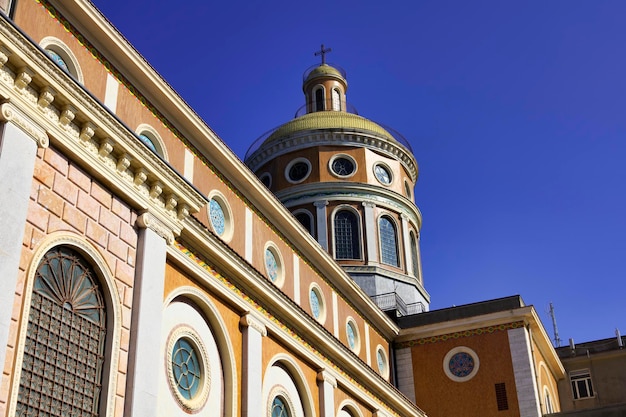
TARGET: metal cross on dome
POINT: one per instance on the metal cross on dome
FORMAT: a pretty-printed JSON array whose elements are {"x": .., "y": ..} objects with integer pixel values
[{"x": 323, "y": 51}]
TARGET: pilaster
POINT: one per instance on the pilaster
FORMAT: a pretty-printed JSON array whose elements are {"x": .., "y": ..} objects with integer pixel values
[
  {"x": 327, "y": 385},
  {"x": 370, "y": 232},
  {"x": 322, "y": 223},
  {"x": 253, "y": 331},
  {"x": 145, "y": 343},
  {"x": 19, "y": 140}
]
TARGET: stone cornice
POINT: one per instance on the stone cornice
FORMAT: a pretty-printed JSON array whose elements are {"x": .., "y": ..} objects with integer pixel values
[
  {"x": 356, "y": 192},
  {"x": 326, "y": 137},
  {"x": 81, "y": 127}
]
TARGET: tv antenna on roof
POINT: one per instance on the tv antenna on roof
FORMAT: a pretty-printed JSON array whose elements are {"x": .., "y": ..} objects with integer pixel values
[{"x": 557, "y": 339}]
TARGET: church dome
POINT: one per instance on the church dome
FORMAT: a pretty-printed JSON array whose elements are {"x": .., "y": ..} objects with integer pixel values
[
  {"x": 323, "y": 71},
  {"x": 335, "y": 121}
]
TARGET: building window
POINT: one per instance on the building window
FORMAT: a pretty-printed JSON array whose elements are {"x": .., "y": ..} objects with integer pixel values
[
  {"x": 319, "y": 99},
  {"x": 266, "y": 179},
  {"x": 63, "y": 56},
  {"x": 336, "y": 99},
  {"x": 548, "y": 401},
  {"x": 298, "y": 170},
  {"x": 273, "y": 264},
  {"x": 382, "y": 362},
  {"x": 461, "y": 364},
  {"x": 217, "y": 217},
  {"x": 383, "y": 174},
  {"x": 346, "y": 236},
  {"x": 316, "y": 301},
  {"x": 388, "y": 241},
  {"x": 148, "y": 142},
  {"x": 407, "y": 189},
  {"x": 501, "y": 399},
  {"x": 58, "y": 60},
  {"x": 581, "y": 384},
  {"x": 352, "y": 334},
  {"x": 305, "y": 219},
  {"x": 186, "y": 368},
  {"x": 343, "y": 166},
  {"x": 279, "y": 408},
  {"x": 414, "y": 257},
  {"x": 65, "y": 339}
]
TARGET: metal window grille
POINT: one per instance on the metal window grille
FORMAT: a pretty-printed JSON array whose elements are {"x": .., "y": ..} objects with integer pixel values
[
  {"x": 388, "y": 243},
  {"x": 346, "y": 236},
  {"x": 501, "y": 398},
  {"x": 64, "y": 350}
]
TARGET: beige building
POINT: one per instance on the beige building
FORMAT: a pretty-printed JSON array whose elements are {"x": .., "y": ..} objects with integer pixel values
[
  {"x": 146, "y": 271},
  {"x": 595, "y": 383}
]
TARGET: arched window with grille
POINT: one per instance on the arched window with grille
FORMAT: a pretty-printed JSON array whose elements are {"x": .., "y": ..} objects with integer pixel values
[
  {"x": 65, "y": 339},
  {"x": 388, "y": 241},
  {"x": 347, "y": 235}
]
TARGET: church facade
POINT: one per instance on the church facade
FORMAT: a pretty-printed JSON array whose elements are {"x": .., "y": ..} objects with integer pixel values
[{"x": 146, "y": 271}]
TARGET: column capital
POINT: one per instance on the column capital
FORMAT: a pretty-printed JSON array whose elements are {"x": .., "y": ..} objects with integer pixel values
[
  {"x": 320, "y": 203},
  {"x": 248, "y": 320},
  {"x": 325, "y": 376},
  {"x": 148, "y": 221},
  {"x": 404, "y": 217},
  {"x": 368, "y": 204},
  {"x": 10, "y": 113}
]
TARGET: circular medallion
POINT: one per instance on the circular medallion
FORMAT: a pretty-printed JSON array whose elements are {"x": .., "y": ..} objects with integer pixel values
[
  {"x": 217, "y": 217},
  {"x": 461, "y": 364}
]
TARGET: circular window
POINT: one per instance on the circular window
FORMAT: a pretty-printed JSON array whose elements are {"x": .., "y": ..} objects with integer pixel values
[
  {"x": 220, "y": 215},
  {"x": 217, "y": 217},
  {"x": 381, "y": 361},
  {"x": 383, "y": 174},
  {"x": 316, "y": 300},
  {"x": 273, "y": 265},
  {"x": 298, "y": 170},
  {"x": 461, "y": 364},
  {"x": 342, "y": 166},
  {"x": 353, "y": 335},
  {"x": 188, "y": 368}
]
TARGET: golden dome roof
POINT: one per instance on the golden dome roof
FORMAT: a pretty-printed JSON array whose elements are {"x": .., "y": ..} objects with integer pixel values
[
  {"x": 324, "y": 70},
  {"x": 335, "y": 120}
]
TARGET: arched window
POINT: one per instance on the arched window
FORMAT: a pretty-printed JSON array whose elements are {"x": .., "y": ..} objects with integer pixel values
[
  {"x": 347, "y": 235},
  {"x": 150, "y": 137},
  {"x": 336, "y": 99},
  {"x": 65, "y": 339},
  {"x": 319, "y": 99},
  {"x": 414, "y": 258},
  {"x": 388, "y": 242},
  {"x": 306, "y": 219},
  {"x": 63, "y": 56},
  {"x": 279, "y": 407}
]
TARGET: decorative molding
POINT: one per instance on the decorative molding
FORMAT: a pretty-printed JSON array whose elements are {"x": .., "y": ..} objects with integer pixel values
[
  {"x": 369, "y": 204},
  {"x": 325, "y": 376},
  {"x": 327, "y": 137},
  {"x": 149, "y": 221},
  {"x": 23, "y": 78},
  {"x": 461, "y": 334},
  {"x": 10, "y": 113},
  {"x": 248, "y": 320},
  {"x": 320, "y": 203},
  {"x": 46, "y": 96}
]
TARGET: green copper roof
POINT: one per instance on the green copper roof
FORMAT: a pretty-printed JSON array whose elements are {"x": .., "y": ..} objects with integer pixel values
[{"x": 335, "y": 120}]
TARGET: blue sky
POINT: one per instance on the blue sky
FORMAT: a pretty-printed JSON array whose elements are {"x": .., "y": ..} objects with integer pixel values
[{"x": 515, "y": 112}]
